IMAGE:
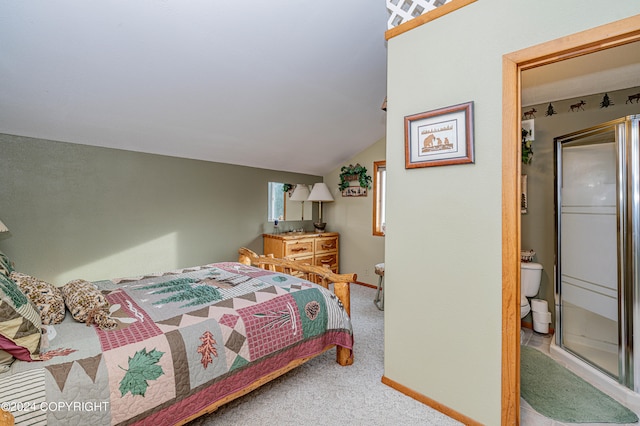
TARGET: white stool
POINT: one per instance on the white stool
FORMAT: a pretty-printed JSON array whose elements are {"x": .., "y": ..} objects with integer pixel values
[{"x": 379, "y": 299}]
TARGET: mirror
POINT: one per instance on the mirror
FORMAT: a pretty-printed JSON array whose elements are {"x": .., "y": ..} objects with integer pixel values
[{"x": 281, "y": 207}]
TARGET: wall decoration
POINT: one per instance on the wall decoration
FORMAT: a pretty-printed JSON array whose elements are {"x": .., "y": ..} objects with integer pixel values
[
  {"x": 524, "y": 201},
  {"x": 354, "y": 191},
  {"x": 440, "y": 137},
  {"x": 354, "y": 181},
  {"x": 611, "y": 100},
  {"x": 528, "y": 136},
  {"x": 606, "y": 101},
  {"x": 287, "y": 187},
  {"x": 577, "y": 106},
  {"x": 550, "y": 110},
  {"x": 632, "y": 97},
  {"x": 529, "y": 114}
]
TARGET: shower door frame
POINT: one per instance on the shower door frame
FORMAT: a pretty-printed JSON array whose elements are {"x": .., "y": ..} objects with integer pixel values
[{"x": 627, "y": 158}]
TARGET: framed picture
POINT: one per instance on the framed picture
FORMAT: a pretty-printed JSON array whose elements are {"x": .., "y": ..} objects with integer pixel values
[
  {"x": 354, "y": 191},
  {"x": 439, "y": 137}
]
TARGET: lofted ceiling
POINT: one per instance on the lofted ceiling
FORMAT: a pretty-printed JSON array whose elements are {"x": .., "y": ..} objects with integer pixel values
[{"x": 280, "y": 85}]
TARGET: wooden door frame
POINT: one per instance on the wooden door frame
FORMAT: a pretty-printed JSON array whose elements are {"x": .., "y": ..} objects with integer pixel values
[{"x": 593, "y": 40}]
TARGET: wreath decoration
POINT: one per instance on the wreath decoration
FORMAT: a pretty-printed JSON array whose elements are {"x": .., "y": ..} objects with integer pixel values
[{"x": 352, "y": 173}]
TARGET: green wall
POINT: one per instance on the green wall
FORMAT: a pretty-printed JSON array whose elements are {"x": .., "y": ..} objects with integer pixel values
[
  {"x": 360, "y": 250},
  {"x": 77, "y": 211},
  {"x": 443, "y": 302}
]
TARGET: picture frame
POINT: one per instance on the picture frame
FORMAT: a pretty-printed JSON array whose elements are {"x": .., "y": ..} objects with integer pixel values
[
  {"x": 354, "y": 191},
  {"x": 439, "y": 137}
]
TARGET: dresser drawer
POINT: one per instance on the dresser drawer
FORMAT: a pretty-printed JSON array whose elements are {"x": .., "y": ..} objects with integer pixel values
[
  {"x": 311, "y": 249},
  {"x": 326, "y": 244},
  {"x": 330, "y": 260},
  {"x": 298, "y": 248}
]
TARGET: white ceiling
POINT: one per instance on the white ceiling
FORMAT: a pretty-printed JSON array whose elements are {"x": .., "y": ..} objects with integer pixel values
[{"x": 280, "y": 84}]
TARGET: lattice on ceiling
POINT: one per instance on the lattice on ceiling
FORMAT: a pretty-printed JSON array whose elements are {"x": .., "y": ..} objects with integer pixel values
[{"x": 401, "y": 11}]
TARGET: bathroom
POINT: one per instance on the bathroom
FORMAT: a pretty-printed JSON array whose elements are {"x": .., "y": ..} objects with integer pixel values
[{"x": 555, "y": 113}]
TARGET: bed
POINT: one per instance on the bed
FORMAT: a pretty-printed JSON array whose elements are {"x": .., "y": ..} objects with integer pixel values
[{"x": 178, "y": 344}]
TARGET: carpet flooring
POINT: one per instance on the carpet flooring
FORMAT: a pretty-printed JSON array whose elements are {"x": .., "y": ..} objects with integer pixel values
[
  {"x": 321, "y": 392},
  {"x": 559, "y": 394}
]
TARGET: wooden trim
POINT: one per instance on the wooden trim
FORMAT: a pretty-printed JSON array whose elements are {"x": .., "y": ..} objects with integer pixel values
[
  {"x": 583, "y": 43},
  {"x": 590, "y": 41},
  {"x": 430, "y": 402},
  {"x": 510, "y": 407},
  {"x": 366, "y": 284},
  {"x": 427, "y": 17},
  {"x": 376, "y": 197}
]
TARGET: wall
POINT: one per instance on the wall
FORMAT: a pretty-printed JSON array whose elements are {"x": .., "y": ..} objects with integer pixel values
[
  {"x": 78, "y": 211},
  {"x": 443, "y": 244},
  {"x": 538, "y": 224},
  {"x": 360, "y": 250}
]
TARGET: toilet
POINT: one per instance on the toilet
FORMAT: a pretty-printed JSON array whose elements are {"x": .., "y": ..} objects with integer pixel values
[{"x": 530, "y": 275}]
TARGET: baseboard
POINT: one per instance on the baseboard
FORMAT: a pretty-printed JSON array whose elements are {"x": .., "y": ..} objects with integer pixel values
[
  {"x": 365, "y": 284},
  {"x": 430, "y": 402}
]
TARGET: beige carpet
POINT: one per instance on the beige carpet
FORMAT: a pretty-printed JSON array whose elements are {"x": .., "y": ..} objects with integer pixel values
[{"x": 321, "y": 392}]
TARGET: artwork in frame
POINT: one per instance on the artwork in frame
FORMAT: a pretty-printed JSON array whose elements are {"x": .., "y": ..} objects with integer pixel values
[{"x": 440, "y": 137}]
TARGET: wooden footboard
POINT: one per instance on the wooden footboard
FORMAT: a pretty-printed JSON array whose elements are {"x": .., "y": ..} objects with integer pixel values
[
  {"x": 326, "y": 276},
  {"x": 341, "y": 289}
]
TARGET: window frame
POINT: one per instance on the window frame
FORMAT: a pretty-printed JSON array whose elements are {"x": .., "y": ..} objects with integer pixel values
[{"x": 379, "y": 196}]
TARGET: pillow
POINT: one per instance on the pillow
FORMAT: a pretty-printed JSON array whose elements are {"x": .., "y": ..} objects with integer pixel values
[
  {"x": 20, "y": 322},
  {"x": 87, "y": 304},
  {"x": 6, "y": 267},
  {"x": 47, "y": 297}
]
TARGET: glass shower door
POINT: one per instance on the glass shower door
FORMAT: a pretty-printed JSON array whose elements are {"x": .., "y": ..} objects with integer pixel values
[{"x": 587, "y": 246}]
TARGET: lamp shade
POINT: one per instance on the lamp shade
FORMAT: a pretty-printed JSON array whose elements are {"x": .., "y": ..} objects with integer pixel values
[
  {"x": 301, "y": 193},
  {"x": 3, "y": 227},
  {"x": 320, "y": 192}
]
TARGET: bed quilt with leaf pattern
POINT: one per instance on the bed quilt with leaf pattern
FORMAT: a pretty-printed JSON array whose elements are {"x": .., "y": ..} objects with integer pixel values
[{"x": 184, "y": 340}]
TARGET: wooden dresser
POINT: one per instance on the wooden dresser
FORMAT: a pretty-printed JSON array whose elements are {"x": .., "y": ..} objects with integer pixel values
[{"x": 307, "y": 247}]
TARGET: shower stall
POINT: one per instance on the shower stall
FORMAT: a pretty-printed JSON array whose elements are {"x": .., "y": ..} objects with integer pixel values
[{"x": 597, "y": 249}]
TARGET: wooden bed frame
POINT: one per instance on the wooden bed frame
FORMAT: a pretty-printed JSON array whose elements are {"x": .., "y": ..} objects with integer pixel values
[{"x": 344, "y": 356}]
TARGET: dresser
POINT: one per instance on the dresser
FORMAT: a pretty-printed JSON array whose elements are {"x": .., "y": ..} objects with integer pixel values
[{"x": 306, "y": 247}]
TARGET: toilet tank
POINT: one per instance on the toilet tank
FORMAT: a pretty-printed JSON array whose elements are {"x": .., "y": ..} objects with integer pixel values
[{"x": 530, "y": 275}]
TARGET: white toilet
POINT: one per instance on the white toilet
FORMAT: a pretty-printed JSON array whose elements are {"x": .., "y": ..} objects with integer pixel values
[{"x": 530, "y": 275}]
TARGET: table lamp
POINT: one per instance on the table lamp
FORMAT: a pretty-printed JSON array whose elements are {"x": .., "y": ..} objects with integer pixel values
[
  {"x": 320, "y": 193},
  {"x": 301, "y": 193}
]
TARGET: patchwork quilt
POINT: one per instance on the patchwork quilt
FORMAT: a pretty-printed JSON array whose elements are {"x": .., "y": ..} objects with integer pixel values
[{"x": 184, "y": 339}]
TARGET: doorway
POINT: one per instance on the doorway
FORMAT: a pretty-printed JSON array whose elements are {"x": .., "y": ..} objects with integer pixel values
[{"x": 587, "y": 42}]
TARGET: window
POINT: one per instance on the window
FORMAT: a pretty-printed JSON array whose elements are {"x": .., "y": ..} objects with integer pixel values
[
  {"x": 379, "y": 197},
  {"x": 276, "y": 201}
]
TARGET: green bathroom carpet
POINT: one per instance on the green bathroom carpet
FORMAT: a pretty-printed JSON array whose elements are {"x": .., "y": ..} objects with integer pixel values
[{"x": 559, "y": 394}]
